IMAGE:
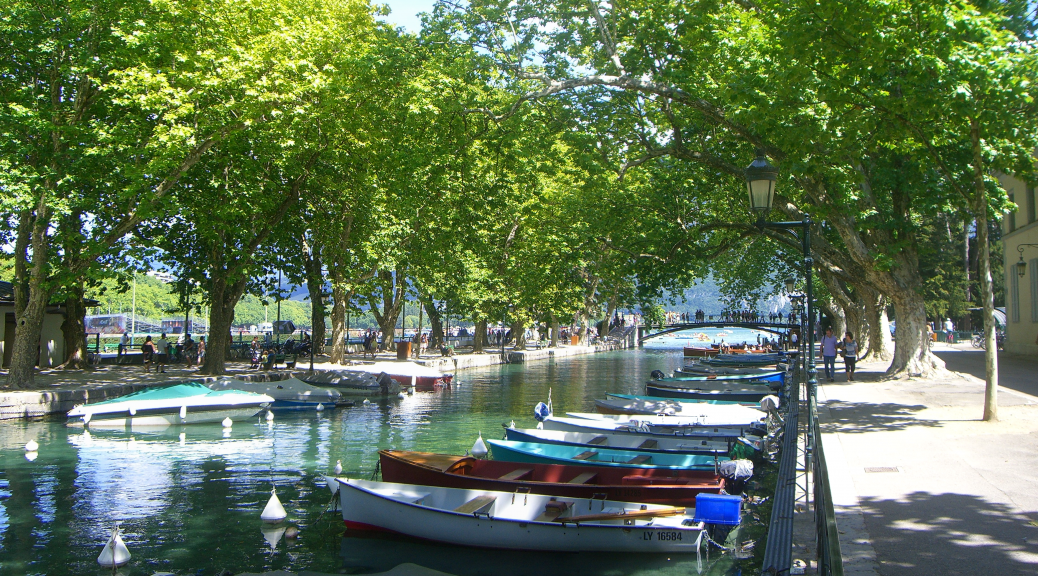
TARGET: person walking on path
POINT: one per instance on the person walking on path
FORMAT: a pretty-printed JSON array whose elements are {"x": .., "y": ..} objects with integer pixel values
[
  {"x": 123, "y": 343},
  {"x": 148, "y": 351},
  {"x": 850, "y": 354},
  {"x": 829, "y": 354},
  {"x": 161, "y": 353},
  {"x": 201, "y": 350}
]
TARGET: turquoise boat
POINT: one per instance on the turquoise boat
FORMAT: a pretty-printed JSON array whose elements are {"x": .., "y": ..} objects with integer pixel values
[
  {"x": 777, "y": 376},
  {"x": 534, "y": 453}
]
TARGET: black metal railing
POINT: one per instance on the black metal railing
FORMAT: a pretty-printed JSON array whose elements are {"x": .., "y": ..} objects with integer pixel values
[
  {"x": 830, "y": 559},
  {"x": 778, "y": 554}
]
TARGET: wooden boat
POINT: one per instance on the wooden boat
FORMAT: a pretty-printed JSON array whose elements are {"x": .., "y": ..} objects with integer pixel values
[
  {"x": 536, "y": 453},
  {"x": 190, "y": 403},
  {"x": 354, "y": 382},
  {"x": 565, "y": 424},
  {"x": 290, "y": 394},
  {"x": 774, "y": 376},
  {"x": 730, "y": 416},
  {"x": 744, "y": 360},
  {"x": 508, "y": 520},
  {"x": 651, "y": 405},
  {"x": 701, "y": 370},
  {"x": 706, "y": 445},
  {"x": 696, "y": 352},
  {"x": 674, "y": 487},
  {"x": 702, "y": 392},
  {"x": 679, "y": 400},
  {"x": 407, "y": 373}
]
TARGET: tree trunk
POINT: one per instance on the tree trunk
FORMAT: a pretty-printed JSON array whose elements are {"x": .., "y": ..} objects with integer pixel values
[
  {"x": 391, "y": 305},
  {"x": 519, "y": 335},
  {"x": 836, "y": 316},
  {"x": 881, "y": 345},
  {"x": 31, "y": 294},
  {"x": 435, "y": 323},
  {"x": 554, "y": 332},
  {"x": 912, "y": 351},
  {"x": 980, "y": 208},
  {"x": 224, "y": 297},
  {"x": 315, "y": 287},
  {"x": 968, "y": 320},
  {"x": 73, "y": 329},
  {"x": 479, "y": 336},
  {"x": 341, "y": 299}
]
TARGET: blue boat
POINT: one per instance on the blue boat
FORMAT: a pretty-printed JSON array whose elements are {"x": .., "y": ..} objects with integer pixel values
[
  {"x": 776, "y": 376},
  {"x": 651, "y": 398},
  {"x": 729, "y": 393},
  {"x": 532, "y": 453}
]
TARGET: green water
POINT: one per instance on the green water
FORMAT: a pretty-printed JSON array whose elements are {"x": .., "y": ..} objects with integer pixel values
[{"x": 188, "y": 499}]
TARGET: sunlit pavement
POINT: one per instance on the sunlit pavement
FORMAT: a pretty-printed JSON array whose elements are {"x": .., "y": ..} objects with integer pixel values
[{"x": 921, "y": 484}]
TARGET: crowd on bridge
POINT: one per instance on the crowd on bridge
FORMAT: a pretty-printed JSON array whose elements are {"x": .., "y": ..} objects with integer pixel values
[{"x": 748, "y": 316}]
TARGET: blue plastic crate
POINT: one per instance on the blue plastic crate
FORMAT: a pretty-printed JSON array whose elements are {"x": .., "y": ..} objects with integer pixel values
[{"x": 718, "y": 509}]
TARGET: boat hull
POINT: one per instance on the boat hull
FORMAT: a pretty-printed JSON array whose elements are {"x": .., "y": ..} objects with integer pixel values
[
  {"x": 569, "y": 455},
  {"x": 675, "y": 488},
  {"x": 698, "y": 394},
  {"x": 583, "y": 425},
  {"x": 171, "y": 417},
  {"x": 365, "y": 509},
  {"x": 705, "y": 445}
]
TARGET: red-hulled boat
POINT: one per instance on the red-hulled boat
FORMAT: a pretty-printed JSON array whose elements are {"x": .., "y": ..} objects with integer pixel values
[{"x": 649, "y": 486}]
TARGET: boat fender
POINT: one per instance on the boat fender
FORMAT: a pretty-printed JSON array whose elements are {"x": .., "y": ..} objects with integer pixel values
[
  {"x": 769, "y": 403},
  {"x": 736, "y": 469},
  {"x": 541, "y": 411},
  {"x": 273, "y": 512},
  {"x": 183, "y": 412},
  {"x": 657, "y": 375},
  {"x": 479, "y": 449},
  {"x": 133, "y": 411},
  {"x": 115, "y": 552}
]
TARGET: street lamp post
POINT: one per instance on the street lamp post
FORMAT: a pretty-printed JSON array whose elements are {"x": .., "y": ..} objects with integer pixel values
[{"x": 761, "y": 178}]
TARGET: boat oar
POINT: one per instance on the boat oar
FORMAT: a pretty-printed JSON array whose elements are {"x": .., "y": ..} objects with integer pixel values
[{"x": 623, "y": 515}]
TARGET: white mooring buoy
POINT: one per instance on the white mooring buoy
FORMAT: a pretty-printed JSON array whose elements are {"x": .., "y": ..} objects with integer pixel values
[
  {"x": 320, "y": 407},
  {"x": 338, "y": 467},
  {"x": 270, "y": 416},
  {"x": 401, "y": 396},
  {"x": 366, "y": 401},
  {"x": 31, "y": 446},
  {"x": 227, "y": 422},
  {"x": 274, "y": 512},
  {"x": 115, "y": 552},
  {"x": 479, "y": 449}
]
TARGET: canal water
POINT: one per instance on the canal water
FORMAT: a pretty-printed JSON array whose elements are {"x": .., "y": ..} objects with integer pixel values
[{"x": 188, "y": 499}]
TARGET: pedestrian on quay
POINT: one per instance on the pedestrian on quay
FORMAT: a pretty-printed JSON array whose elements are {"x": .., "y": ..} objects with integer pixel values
[
  {"x": 148, "y": 352},
  {"x": 123, "y": 343},
  {"x": 829, "y": 343},
  {"x": 201, "y": 349},
  {"x": 849, "y": 347},
  {"x": 161, "y": 353}
]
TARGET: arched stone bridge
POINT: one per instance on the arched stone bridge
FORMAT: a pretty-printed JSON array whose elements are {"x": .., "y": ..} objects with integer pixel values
[{"x": 644, "y": 332}]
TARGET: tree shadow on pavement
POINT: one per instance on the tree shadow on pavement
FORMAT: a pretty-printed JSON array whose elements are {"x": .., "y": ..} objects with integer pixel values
[
  {"x": 950, "y": 534},
  {"x": 861, "y": 417}
]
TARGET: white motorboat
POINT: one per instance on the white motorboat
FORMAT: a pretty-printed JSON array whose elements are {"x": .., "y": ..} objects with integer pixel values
[
  {"x": 640, "y": 426},
  {"x": 516, "y": 521},
  {"x": 290, "y": 394},
  {"x": 190, "y": 403}
]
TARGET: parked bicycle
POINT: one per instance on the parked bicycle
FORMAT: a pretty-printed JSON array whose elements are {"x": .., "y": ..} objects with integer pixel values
[{"x": 979, "y": 341}]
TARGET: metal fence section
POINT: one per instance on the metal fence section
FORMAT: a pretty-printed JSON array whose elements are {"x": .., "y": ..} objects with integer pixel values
[
  {"x": 778, "y": 555},
  {"x": 830, "y": 559}
]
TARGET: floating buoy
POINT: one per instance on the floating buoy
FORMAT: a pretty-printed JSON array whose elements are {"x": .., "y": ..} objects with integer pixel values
[
  {"x": 270, "y": 416},
  {"x": 31, "y": 446},
  {"x": 366, "y": 401},
  {"x": 338, "y": 467},
  {"x": 227, "y": 422},
  {"x": 115, "y": 552},
  {"x": 274, "y": 512},
  {"x": 320, "y": 407},
  {"x": 401, "y": 395},
  {"x": 479, "y": 449}
]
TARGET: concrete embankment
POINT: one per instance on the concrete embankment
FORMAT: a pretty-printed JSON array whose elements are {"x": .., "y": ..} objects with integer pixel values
[{"x": 61, "y": 390}]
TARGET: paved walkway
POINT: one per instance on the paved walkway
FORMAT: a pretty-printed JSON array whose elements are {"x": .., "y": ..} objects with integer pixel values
[{"x": 922, "y": 485}]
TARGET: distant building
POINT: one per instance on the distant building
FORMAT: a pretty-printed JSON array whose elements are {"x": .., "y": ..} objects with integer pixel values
[
  {"x": 163, "y": 276},
  {"x": 1020, "y": 244}
]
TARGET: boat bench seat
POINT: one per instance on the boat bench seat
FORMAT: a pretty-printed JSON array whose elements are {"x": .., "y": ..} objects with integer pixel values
[
  {"x": 582, "y": 478},
  {"x": 516, "y": 474},
  {"x": 598, "y": 440},
  {"x": 476, "y": 504},
  {"x": 586, "y": 455},
  {"x": 643, "y": 459},
  {"x": 649, "y": 444}
]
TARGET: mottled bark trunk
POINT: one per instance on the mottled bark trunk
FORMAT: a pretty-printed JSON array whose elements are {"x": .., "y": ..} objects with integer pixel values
[
  {"x": 519, "y": 335},
  {"x": 980, "y": 209},
  {"x": 224, "y": 297},
  {"x": 479, "y": 336},
  {"x": 880, "y": 343},
  {"x": 912, "y": 349},
  {"x": 836, "y": 317},
  {"x": 554, "y": 332},
  {"x": 341, "y": 299},
  {"x": 435, "y": 322},
  {"x": 31, "y": 293},
  {"x": 387, "y": 312},
  {"x": 73, "y": 330}
]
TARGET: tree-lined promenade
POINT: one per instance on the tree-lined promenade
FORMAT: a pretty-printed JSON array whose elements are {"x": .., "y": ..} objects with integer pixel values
[{"x": 526, "y": 162}]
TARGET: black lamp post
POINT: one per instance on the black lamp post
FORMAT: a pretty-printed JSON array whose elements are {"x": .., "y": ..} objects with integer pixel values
[{"x": 761, "y": 178}]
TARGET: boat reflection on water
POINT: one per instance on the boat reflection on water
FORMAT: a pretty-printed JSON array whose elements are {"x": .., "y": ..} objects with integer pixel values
[{"x": 365, "y": 552}]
